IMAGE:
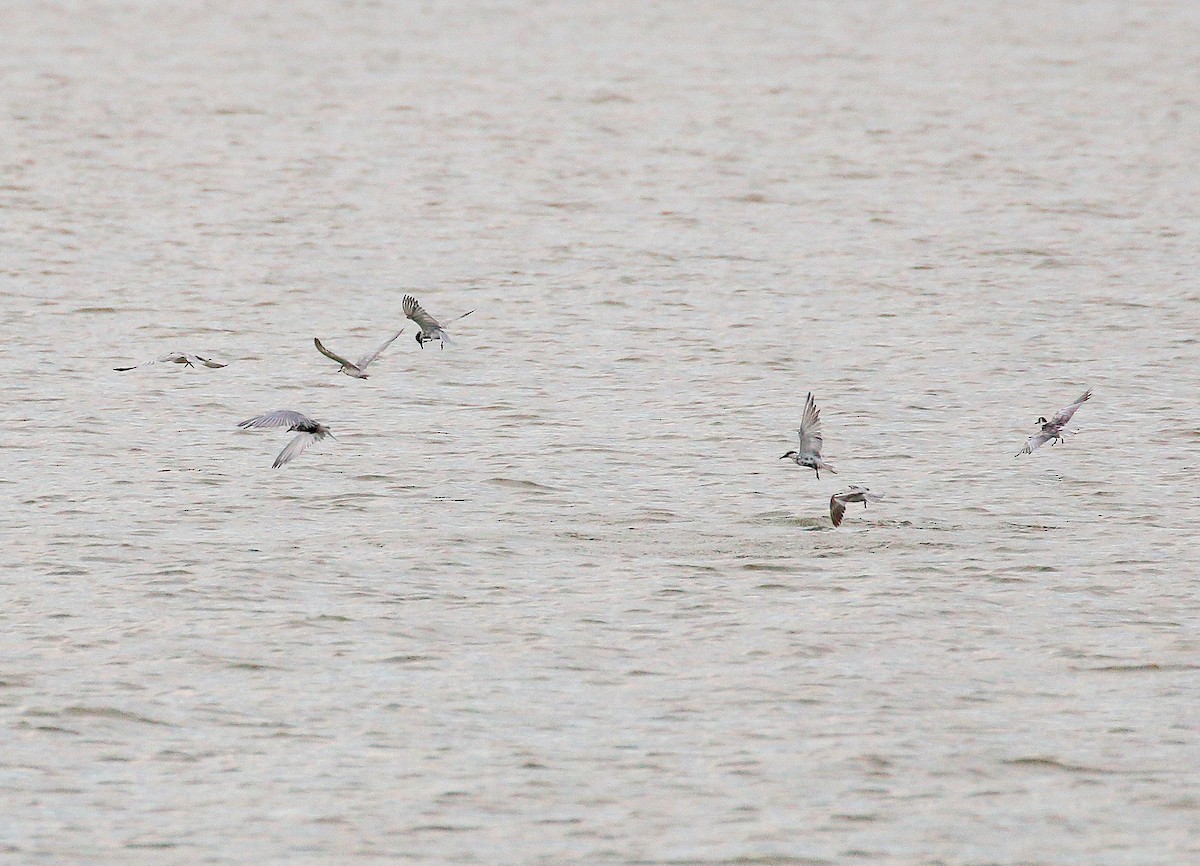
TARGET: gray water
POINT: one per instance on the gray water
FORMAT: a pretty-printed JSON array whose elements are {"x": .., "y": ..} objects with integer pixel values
[{"x": 551, "y": 597}]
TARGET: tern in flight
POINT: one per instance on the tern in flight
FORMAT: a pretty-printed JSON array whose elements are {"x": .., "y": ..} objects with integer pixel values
[
  {"x": 176, "y": 358},
  {"x": 430, "y": 328},
  {"x": 810, "y": 440},
  {"x": 837, "y": 502},
  {"x": 359, "y": 369},
  {"x": 310, "y": 431},
  {"x": 1053, "y": 429}
]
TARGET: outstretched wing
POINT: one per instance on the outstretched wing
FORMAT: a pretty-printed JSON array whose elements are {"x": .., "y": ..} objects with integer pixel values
[
  {"x": 278, "y": 418},
  {"x": 811, "y": 440},
  {"x": 416, "y": 312},
  {"x": 294, "y": 449},
  {"x": 208, "y": 362},
  {"x": 330, "y": 355},
  {"x": 1034, "y": 442},
  {"x": 1064, "y": 414},
  {"x": 368, "y": 358},
  {"x": 173, "y": 357},
  {"x": 445, "y": 337},
  {"x": 837, "y": 510}
]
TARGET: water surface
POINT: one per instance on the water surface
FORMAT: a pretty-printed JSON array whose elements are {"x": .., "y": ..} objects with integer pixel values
[{"x": 552, "y": 597}]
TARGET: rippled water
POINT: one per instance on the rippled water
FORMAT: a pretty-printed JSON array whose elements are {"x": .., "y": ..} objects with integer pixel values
[{"x": 551, "y": 597}]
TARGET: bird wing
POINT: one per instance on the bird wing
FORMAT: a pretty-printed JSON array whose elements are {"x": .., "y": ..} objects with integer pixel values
[
  {"x": 330, "y": 355},
  {"x": 208, "y": 362},
  {"x": 368, "y": 358},
  {"x": 278, "y": 418},
  {"x": 1034, "y": 442},
  {"x": 294, "y": 449},
  {"x": 445, "y": 337},
  {"x": 1064, "y": 414},
  {"x": 163, "y": 360},
  {"x": 837, "y": 510},
  {"x": 811, "y": 440},
  {"x": 416, "y": 312}
]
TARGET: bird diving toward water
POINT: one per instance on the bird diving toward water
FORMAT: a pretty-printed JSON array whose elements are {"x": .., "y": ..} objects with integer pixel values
[
  {"x": 430, "y": 328},
  {"x": 837, "y": 502},
  {"x": 310, "y": 431},
  {"x": 359, "y": 369},
  {"x": 1051, "y": 431},
  {"x": 184, "y": 358},
  {"x": 810, "y": 440}
]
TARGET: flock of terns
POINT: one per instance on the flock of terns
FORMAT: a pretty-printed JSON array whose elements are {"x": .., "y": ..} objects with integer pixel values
[
  {"x": 429, "y": 329},
  {"x": 308, "y": 430},
  {"x": 811, "y": 443}
]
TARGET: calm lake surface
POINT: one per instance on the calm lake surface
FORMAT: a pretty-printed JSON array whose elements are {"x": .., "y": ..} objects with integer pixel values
[{"x": 551, "y": 597}]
